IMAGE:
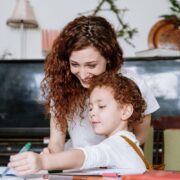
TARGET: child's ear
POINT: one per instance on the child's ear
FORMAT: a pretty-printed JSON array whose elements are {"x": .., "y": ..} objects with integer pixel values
[{"x": 127, "y": 111}]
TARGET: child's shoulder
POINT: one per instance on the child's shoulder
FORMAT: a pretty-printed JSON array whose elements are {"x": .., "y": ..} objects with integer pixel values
[{"x": 116, "y": 138}]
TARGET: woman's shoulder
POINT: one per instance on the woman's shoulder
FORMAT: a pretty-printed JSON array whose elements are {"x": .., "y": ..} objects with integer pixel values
[
  {"x": 131, "y": 75},
  {"x": 147, "y": 93}
]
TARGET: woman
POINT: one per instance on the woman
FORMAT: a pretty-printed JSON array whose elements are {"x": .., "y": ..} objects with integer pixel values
[{"x": 86, "y": 47}]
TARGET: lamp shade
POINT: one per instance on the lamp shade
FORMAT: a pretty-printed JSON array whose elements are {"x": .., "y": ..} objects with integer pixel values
[{"x": 22, "y": 14}]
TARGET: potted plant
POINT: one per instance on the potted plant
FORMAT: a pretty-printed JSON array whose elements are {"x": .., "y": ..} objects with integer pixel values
[
  {"x": 166, "y": 32},
  {"x": 124, "y": 30},
  {"x": 174, "y": 17}
]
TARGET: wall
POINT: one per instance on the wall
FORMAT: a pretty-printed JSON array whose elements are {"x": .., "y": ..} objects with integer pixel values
[{"x": 54, "y": 14}]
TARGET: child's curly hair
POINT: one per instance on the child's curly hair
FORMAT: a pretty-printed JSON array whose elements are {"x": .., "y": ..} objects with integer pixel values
[{"x": 125, "y": 91}]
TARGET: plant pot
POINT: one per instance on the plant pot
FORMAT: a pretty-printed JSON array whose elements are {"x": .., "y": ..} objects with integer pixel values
[{"x": 164, "y": 34}]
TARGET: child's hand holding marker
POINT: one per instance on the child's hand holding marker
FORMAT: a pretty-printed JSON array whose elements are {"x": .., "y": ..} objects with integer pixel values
[
  {"x": 25, "y": 162},
  {"x": 25, "y": 148}
]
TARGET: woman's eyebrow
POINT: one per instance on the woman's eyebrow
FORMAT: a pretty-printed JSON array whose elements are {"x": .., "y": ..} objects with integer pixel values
[
  {"x": 73, "y": 61},
  {"x": 91, "y": 62}
]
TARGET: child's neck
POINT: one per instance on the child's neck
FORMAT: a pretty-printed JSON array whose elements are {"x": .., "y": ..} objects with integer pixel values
[{"x": 121, "y": 127}]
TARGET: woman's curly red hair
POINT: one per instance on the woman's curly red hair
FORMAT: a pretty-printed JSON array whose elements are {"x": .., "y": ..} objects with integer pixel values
[
  {"x": 61, "y": 89},
  {"x": 125, "y": 91}
]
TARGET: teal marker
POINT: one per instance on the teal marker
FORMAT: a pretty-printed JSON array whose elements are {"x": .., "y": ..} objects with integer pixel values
[{"x": 25, "y": 148}]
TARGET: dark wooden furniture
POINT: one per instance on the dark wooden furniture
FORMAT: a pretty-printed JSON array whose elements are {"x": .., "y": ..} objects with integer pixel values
[{"x": 21, "y": 111}]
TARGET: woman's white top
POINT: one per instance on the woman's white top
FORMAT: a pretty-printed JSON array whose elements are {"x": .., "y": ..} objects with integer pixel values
[
  {"x": 80, "y": 130},
  {"x": 115, "y": 153},
  {"x": 152, "y": 104}
]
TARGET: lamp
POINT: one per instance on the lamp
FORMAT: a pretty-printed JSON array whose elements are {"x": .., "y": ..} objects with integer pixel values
[{"x": 22, "y": 17}]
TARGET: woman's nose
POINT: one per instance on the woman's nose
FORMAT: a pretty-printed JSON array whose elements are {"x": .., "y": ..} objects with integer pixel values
[{"x": 83, "y": 74}]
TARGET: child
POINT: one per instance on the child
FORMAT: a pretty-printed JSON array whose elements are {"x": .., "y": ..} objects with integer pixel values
[{"x": 115, "y": 102}]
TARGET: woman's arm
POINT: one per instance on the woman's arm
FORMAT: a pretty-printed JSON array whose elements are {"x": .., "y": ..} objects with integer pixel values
[
  {"x": 57, "y": 138},
  {"x": 141, "y": 130}
]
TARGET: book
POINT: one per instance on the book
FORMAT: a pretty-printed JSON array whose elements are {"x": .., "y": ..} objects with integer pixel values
[
  {"x": 157, "y": 52},
  {"x": 155, "y": 175},
  {"x": 11, "y": 175}
]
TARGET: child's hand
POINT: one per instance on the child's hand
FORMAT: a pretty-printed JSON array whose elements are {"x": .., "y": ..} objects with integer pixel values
[{"x": 26, "y": 163}]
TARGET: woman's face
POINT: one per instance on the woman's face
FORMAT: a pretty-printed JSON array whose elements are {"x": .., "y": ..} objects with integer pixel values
[{"x": 86, "y": 63}]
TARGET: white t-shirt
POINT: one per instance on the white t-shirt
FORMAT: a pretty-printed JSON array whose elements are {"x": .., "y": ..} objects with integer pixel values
[
  {"x": 80, "y": 130},
  {"x": 115, "y": 153},
  {"x": 152, "y": 104}
]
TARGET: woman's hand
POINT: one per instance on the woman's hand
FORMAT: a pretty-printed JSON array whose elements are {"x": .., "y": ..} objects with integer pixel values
[
  {"x": 26, "y": 163},
  {"x": 45, "y": 151},
  {"x": 52, "y": 148}
]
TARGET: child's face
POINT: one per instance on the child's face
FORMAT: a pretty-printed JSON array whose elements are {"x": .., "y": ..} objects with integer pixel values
[{"x": 105, "y": 112}]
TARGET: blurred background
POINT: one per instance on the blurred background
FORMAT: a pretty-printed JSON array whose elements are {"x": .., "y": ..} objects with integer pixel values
[{"x": 55, "y": 14}]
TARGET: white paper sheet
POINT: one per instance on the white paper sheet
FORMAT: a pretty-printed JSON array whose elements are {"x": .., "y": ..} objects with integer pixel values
[{"x": 11, "y": 175}]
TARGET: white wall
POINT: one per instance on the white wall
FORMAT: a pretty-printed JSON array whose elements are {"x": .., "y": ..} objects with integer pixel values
[{"x": 54, "y": 14}]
